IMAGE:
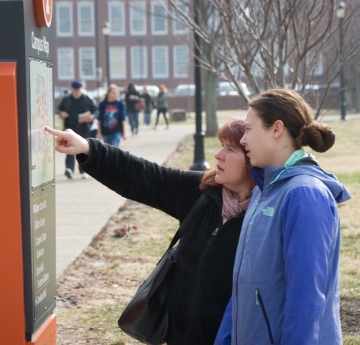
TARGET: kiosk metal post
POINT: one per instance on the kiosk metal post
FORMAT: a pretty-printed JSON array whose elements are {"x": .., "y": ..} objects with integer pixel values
[{"x": 27, "y": 249}]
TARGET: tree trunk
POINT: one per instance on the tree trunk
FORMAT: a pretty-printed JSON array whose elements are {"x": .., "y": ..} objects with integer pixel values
[
  {"x": 210, "y": 80},
  {"x": 356, "y": 86}
]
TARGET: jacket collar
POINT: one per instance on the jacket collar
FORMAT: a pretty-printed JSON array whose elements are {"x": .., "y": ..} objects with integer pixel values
[{"x": 269, "y": 174}]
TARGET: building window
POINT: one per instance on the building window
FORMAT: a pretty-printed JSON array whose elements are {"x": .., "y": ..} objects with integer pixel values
[
  {"x": 64, "y": 19},
  {"x": 85, "y": 18},
  {"x": 65, "y": 57},
  {"x": 138, "y": 62},
  {"x": 181, "y": 61},
  {"x": 87, "y": 63},
  {"x": 159, "y": 23},
  {"x": 160, "y": 62},
  {"x": 178, "y": 27},
  {"x": 118, "y": 63},
  {"x": 116, "y": 15},
  {"x": 137, "y": 18}
]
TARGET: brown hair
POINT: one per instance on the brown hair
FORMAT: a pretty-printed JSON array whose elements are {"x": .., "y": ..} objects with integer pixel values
[
  {"x": 111, "y": 87},
  {"x": 233, "y": 131},
  {"x": 296, "y": 114}
]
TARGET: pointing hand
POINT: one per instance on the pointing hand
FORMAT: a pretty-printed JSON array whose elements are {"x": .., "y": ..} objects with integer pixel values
[{"x": 69, "y": 142}]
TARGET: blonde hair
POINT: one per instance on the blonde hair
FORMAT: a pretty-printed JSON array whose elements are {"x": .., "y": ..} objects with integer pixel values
[
  {"x": 112, "y": 87},
  {"x": 163, "y": 87}
]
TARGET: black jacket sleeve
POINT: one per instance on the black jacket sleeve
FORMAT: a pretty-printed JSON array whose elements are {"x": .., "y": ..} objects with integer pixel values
[{"x": 170, "y": 190}]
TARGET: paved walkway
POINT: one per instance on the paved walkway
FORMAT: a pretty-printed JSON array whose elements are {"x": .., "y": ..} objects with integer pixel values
[{"x": 84, "y": 206}]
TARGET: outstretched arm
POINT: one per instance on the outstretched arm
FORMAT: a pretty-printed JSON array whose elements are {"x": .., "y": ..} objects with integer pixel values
[{"x": 69, "y": 142}]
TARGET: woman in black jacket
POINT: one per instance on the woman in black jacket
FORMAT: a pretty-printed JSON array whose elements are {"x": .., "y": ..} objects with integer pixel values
[{"x": 202, "y": 282}]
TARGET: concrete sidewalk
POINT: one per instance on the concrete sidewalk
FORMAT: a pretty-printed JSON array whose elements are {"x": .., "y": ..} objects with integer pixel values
[{"x": 84, "y": 206}]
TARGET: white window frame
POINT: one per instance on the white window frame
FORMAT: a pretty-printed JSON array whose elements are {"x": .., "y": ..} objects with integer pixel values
[
  {"x": 72, "y": 75},
  {"x": 91, "y": 6},
  {"x": 112, "y": 74},
  {"x": 81, "y": 75},
  {"x": 153, "y": 31},
  {"x": 112, "y": 4},
  {"x": 174, "y": 22},
  {"x": 166, "y": 74},
  {"x": 132, "y": 5},
  {"x": 176, "y": 75},
  {"x": 69, "y": 5},
  {"x": 145, "y": 71}
]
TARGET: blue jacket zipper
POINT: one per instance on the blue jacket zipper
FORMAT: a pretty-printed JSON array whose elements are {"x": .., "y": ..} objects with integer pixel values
[
  {"x": 247, "y": 229},
  {"x": 257, "y": 300}
]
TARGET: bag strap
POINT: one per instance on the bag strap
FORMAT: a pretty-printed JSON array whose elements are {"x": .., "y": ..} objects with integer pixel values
[{"x": 202, "y": 199}]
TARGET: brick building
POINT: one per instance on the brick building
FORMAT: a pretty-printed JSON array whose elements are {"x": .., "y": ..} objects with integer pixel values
[{"x": 146, "y": 45}]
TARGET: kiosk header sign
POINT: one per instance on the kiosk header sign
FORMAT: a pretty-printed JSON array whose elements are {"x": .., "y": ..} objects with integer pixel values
[{"x": 44, "y": 11}]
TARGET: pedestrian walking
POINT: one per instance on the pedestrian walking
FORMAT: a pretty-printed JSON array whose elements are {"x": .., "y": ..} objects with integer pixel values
[
  {"x": 286, "y": 272},
  {"x": 161, "y": 105},
  {"x": 149, "y": 106},
  {"x": 111, "y": 120},
  {"x": 133, "y": 107},
  {"x": 201, "y": 282},
  {"x": 78, "y": 112}
]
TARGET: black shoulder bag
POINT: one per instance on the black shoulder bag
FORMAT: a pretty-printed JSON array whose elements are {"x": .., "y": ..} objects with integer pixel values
[{"x": 146, "y": 316}]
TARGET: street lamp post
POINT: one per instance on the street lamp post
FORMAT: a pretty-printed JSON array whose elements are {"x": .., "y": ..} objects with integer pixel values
[
  {"x": 97, "y": 48},
  {"x": 340, "y": 13},
  {"x": 106, "y": 32},
  {"x": 199, "y": 160}
]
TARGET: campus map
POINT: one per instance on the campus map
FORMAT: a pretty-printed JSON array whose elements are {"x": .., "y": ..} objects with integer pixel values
[{"x": 42, "y": 114}]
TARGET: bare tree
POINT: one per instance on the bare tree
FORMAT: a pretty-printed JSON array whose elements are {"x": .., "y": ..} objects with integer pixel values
[
  {"x": 209, "y": 77},
  {"x": 277, "y": 43}
]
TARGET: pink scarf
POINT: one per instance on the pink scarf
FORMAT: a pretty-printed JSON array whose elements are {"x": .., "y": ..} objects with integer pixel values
[{"x": 231, "y": 207}]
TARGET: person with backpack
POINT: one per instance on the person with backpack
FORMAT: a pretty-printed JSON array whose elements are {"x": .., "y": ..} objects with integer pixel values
[
  {"x": 111, "y": 120},
  {"x": 149, "y": 106}
]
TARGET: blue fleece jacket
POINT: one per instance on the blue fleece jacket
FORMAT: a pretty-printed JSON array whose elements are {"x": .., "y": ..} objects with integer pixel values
[{"x": 285, "y": 282}]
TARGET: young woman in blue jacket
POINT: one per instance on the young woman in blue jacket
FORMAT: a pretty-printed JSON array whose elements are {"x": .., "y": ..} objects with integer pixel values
[
  {"x": 286, "y": 271},
  {"x": 111, "y": 120}
]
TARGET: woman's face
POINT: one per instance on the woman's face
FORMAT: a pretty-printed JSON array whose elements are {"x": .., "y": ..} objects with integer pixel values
[
  {"x": 258, "y": 141},
  {"x": 230, "y": 166},
  {"x": 112, "y": 95}
]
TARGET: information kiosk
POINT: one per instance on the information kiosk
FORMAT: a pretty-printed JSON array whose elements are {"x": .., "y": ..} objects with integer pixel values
[{"x": 27, "y": 174}]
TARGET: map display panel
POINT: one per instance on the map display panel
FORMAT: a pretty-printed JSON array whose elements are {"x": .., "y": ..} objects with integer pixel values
[{"x": 42, "y": 114}]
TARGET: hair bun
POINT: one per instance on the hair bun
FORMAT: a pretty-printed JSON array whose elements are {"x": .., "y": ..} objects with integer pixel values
[{"x": 318, "y": 136}]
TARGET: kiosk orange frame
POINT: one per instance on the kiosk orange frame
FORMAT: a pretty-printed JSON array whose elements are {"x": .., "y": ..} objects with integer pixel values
[{"x": 12, "y": 315}]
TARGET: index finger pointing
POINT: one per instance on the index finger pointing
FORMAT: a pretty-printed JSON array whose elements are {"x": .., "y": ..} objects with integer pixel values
[{"x": 54, "y": 131}]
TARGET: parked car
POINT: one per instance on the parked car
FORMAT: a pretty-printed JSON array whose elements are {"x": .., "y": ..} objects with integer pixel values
[
  {"x": 97, "y": 93},
  {"x": 153, "y": 90},
  {"x": 184, "y": 90},
  {"x": 59, "y": 92},
  {"x": 228, "y": 89}
]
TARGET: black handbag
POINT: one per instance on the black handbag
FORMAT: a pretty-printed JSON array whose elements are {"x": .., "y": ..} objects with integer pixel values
[{"x": 145, "y": 318}]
